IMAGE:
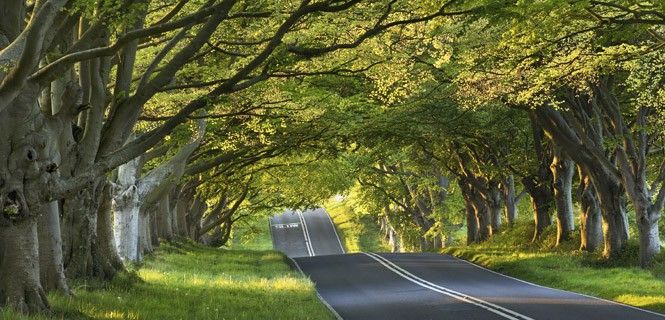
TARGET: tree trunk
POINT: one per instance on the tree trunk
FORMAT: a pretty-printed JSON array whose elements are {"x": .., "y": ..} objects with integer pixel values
[
  {"x": 484, "y": 219},
  {"x": 611, "y": 198},
  {"x": 495, "y": 205},
  {"x": 88, "y": 252},
  {"x": 163, "y": 217},
  {"x": 20, "y": 287},
  {"x": 145, "y": 235},
  {"x": 181, "y": 211},
  {"x": 647, "y": 226},
  {"x": 126, "y": 209},
  {"x": 563, "y": 170},
  {"x": 153, "y": 228},
  {"x": 106, "y": 260},
  {"x": 591, "y": 231},
  {"x": 80, "y": 230},
  {"x": 541, "y": 200},
  {"x": 52, "y": 273},
  {"x": 510, "y": 200},
  {"x": 470, "y": 211}
]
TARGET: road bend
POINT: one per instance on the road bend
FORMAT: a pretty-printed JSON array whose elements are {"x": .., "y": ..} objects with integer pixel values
[{"x": 424, "y": 285}]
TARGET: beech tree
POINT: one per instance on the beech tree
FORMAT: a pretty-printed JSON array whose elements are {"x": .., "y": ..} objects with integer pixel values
[{"x": 76, "y": 76}]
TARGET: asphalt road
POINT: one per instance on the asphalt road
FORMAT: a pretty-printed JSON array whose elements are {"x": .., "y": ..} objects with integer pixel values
[
  {"x": 305, "y": 234},
  {"x": 425, "y": 285}
]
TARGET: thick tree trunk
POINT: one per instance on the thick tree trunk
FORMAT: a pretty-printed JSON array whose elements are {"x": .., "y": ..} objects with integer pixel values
[
  {"x": 611, "y": 198},
  {"x": 164, "y": 220},
  {"x": 484, "y": 219},
  {"x": 145, "y": 235},
  {"x": 541, "y": 200},
  {"x": 510, "y": 200},
  {"x": 52, "y": 273},
  {"x": 88, "y": 252},
  {"x": 20, "y": 286},
  {"x": 470, "y": 211},
  {"x": 106, "y": 260},
  {"x": 647, "y": 226},
  {"x": 495, "y": 205},
  {"x": 80, "y": 232},
  {"x": 181, "y": 211},
  {"x": 154, "y": 227},
  {"x": 126, "y": 209},
  {"x": 591, "y": 231},
  {"x": 563, "y": 170},
  {"x": 194, "y": 217}
]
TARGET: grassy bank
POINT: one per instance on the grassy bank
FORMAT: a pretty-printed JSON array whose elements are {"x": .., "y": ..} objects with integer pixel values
[
  {"x": 357, "y": 232},
  {"x": 511, "y": 252},
  {"x": 188, "y": 281}
]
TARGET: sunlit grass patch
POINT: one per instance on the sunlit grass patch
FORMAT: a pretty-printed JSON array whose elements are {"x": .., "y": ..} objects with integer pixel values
[{"x": 186, "y": 281}]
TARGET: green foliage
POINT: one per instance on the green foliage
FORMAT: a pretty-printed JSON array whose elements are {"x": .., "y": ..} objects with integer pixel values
[{"x": 358, "y": 230}]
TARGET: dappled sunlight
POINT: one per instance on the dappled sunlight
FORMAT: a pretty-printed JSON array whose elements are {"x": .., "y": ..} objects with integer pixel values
[
  {"x": 120, "y": 315},
  {"x": 151, "y": 275},
  {"x": 641, "y": 301}
]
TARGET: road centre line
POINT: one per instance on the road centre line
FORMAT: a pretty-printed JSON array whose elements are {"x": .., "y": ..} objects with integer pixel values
[
  {"x": 501, "y": 311},
  {"x": 308, "y": 240}
]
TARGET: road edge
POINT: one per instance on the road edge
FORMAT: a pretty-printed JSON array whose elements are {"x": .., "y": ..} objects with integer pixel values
[
  {"x": 546, "y": 287},
  {"x": 294, "y": 265}
]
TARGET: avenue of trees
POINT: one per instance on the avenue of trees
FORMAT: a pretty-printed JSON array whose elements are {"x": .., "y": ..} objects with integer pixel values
[{"x": 124, "y": 123}]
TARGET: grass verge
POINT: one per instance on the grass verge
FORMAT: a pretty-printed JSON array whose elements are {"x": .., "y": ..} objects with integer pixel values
[
  {"x": 188, "y": 281},
  {"x": 357, "y": 232},
  {"x": 511, "y": 253}
]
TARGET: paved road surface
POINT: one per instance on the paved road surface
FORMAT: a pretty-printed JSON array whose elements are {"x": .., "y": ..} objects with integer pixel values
[
  {"x": 305, "y": 234},
  {"x": 427, "y": 285}
]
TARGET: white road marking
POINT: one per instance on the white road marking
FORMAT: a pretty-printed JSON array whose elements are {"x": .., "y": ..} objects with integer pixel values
[
  {"x": 560, "y": 290},
  {"x": 308, "y": 240},
  {"x": 286, "y": 225},
  {"x": 335, "y": 230},
  {"x": 499, "y": 310}
]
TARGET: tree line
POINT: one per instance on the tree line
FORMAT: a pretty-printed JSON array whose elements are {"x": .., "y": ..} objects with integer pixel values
[{"x": 126, "y": 122}]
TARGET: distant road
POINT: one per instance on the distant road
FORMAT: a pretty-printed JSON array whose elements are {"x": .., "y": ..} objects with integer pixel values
[
  {"x": 424, "y": 285},
  {"x": 305, "y": 234}
]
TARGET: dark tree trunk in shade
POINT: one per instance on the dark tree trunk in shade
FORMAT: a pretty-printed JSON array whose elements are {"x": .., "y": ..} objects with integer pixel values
[
  {"x": 20, "y": 286},
  {"x": 591, "y": 231},
  {"x": 563, "y": 170}
]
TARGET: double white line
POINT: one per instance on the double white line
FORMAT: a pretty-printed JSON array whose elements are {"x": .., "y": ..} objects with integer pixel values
[
  {"x": 308, "y": 240},
  {"x": 499, "y": 310}
]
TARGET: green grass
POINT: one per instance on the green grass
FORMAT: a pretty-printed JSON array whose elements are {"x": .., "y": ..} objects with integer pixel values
[
  {"x": 512, "y": 253},
  {"x": 187, "y": 281},
  {"x": 252, "y": 235},
  {"x": 357, "y": 232}
]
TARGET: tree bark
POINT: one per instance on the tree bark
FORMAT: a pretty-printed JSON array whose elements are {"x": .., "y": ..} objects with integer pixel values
[
  {"x": 470, "y": 211},
  {"x": 541, "y": 201},
  {"x": 563, "y": 170},
  {"x": 105, "y": 255},
  {"x": 20, "y": 286},
  {"x": 495, "y": 205},
  {"x": 591, "y": 231},
  {"x": 52, "y": 273},
  {"x": 647, "y": 226},
  {"x": 164, "y": 220},
  {"x": 584, "y": 143},
  {"x": 510, "y": 200}
]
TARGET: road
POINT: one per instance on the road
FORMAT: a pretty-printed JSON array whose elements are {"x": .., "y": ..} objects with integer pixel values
[
  {"x": 305, "y": 234},
  {"x": 424, "y": 285}
]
